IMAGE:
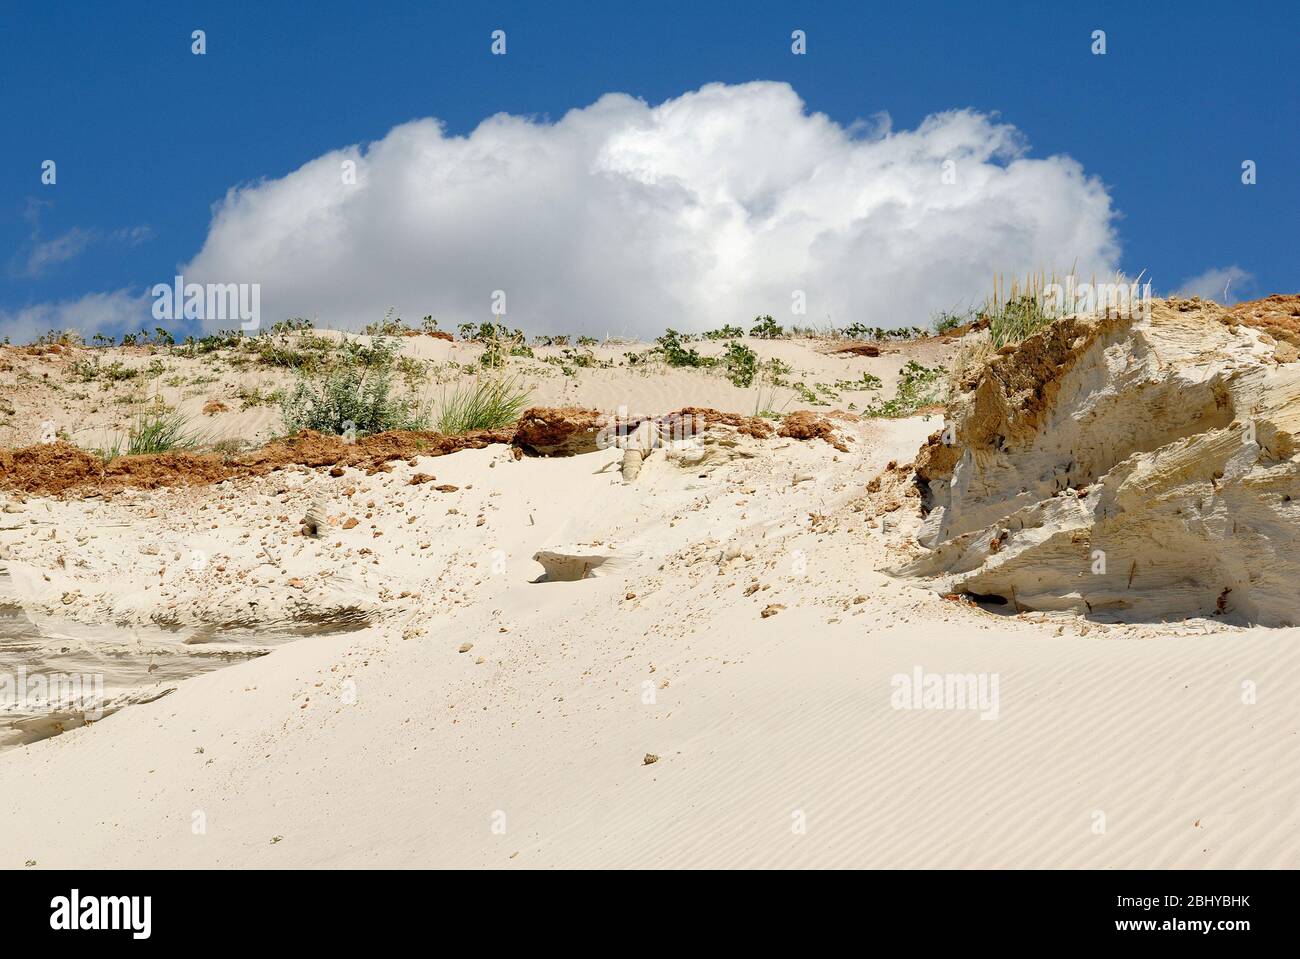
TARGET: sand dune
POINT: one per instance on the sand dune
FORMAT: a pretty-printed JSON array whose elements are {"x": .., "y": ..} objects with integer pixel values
[
  {"x": 761, "y": 724},
  {"x": 742, "y": 684}
]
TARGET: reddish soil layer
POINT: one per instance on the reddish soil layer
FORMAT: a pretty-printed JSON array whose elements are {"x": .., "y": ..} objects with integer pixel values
[
  {"x": 56, "y": 469},
  {"x": 60, "y": 468}
]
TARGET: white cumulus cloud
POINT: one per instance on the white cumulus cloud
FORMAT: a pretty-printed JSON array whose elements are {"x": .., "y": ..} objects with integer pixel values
[{"x": 625, "y": 218}]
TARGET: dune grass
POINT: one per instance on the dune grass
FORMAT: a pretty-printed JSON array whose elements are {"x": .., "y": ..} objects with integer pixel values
[
  {"x": 154, "y": 431},
  {"x": 488, "y": 403},
  {"x": 1017, "y": 310}
]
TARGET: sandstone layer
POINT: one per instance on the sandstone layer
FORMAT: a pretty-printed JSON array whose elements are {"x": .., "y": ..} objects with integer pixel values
[{"x": 1138, "y": 469}]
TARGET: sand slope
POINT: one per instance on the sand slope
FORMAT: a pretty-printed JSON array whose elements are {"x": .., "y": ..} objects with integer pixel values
[{"x": 533, "y": 756}]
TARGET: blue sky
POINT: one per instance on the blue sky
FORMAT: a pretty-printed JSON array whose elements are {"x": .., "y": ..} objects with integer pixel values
[{"x": 148, "y": 137}]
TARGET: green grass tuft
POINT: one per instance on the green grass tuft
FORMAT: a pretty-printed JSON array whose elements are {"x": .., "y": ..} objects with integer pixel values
[{"x": 485, "y": 404}]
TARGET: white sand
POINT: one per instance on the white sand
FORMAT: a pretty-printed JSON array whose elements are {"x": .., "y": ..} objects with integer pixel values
[{"x": 528, "y": 749}]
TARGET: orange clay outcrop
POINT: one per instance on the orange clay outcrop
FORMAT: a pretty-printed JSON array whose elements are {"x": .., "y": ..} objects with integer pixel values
[
  {"x": 805, "y": 425},
  {"x": 1139, "y": 469}
]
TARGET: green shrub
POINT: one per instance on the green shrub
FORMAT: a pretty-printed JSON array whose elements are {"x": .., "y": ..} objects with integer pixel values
[
  {"x": 583, "y": 359},
  {"x": 642, "y": 358},
  {"x": 303, "y": 352},
  {"x": 498, "y": 343},
  {"x": 355, "y": 392},
  {"x": 675, "y": 353},
  {"x": 766, "y": 328},
  {"x": 221, "y": 340},
  {"x": 740, "y": 363}
]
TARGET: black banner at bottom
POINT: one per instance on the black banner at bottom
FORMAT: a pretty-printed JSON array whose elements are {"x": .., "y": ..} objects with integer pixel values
[{"x": 335, "y": 908}]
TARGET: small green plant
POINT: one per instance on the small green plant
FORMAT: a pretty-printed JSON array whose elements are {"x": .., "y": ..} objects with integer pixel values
[
  {"x": 59, "y": 338},
  {"x": 412, "y": 371},
  {"x": 300, "y": 350},
  {"x": 583, "y": 359},
  {"x": 766, "y": 328},
  {"x": 945, "y": 321},
  {"x": 728, "y": 332},
  {"x": 221, "y": 340},
  {"x": 868, "y": 381},
  {"x": 769, "y": 380},
  {"x": 776, "y": 370},
  {"x": 805, "y": 394},
  {"x": 254, "y": 397},
  {"x": 488, "y": 403},
  {"x": 860, "y": 331},
  {"x": 88, "y": 371}
]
